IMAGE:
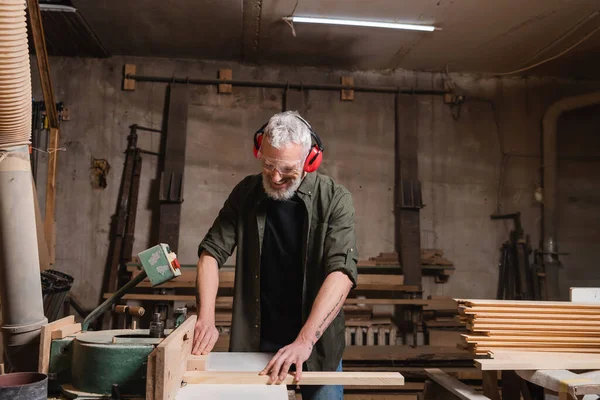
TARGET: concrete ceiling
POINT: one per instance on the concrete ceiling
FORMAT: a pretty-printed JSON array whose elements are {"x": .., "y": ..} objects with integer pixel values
[{"x": 476, "y": 36}]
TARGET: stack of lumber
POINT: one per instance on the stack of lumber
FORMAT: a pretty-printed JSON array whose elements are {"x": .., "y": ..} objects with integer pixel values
[
  {"x": 541, "y": 326},
  {"x": 440, "y": 318},
  {"x": 433, "y": 263}
]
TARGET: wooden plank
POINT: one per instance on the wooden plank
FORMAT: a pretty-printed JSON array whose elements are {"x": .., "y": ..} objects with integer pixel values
[
  {"x": 537, "y": 310},
  {"x": 532, "y": 316},
  {"x": 555, "y": 349},
  {"x": 46, "y": 341},
  {"x": 308, "y": 378},
  {"x": 528, "y": 338},
  {"x": 347, "y": 94},
  {"x": 404, "y": 353},
  {"x": 49, "y": 225},
  {"x": 529, "y": 360},
  {"x": 128, "y": 84},
  {"x": 43, "y": 255},
  {"x": 37, "y": 32},
  {"x": 527, "y": 303},
  {"x": 171, "y": 360},
  {"x": 369, "y": 322},
  {"x": 567, "y": 328},
  {"x": 225, "y": 74},
  {"x": 65, "y": 331},
  {"x": 453, "y": 385},
  {"x": 540, "y": 333}
]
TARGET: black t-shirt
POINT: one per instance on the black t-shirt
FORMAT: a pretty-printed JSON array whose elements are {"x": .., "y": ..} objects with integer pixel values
[{"x": 281, "y": 271}]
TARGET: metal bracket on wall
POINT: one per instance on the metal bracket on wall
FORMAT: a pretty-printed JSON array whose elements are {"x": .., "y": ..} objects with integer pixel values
[{"x": 411, "y": 195}]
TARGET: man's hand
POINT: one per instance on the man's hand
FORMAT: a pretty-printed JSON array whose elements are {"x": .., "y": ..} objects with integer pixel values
[
  {"x": 205, "y": 337},
  {"x": 295, "y": 353}
]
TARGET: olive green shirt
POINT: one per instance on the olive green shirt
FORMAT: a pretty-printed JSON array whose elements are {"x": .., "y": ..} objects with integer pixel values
[{"x": 329, "y": 245}]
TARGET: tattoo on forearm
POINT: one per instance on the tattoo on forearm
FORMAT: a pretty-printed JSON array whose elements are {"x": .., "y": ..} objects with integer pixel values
[{"x": 331, "y": 311}]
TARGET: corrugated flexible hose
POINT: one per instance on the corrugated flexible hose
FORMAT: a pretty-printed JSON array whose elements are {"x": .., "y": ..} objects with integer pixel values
[{"x": 20, "y": 283}]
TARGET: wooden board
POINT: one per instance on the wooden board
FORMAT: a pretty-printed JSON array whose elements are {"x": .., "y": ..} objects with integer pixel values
[
  {"x": 46, "y": 341},
  {"x": 538, "y": 310},
  {"x": 526, "y": 338},
  {"x": 453, "y": 385},
  {"x": 534, "y": 316},
  {"x": 534, "y": 327},
  {"x": 526, "y": 303},
  {"x": 171, "y": 360},
  {"x": 524, "y": 360},
  {"x": 403, "y": 353},
  {"x": 65, "y": 331},
  {"x": 308, "y": 378},
  {"x": 540, "y": 333}
]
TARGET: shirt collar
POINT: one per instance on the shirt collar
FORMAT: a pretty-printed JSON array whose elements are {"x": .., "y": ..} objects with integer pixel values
[{"x": 308, "y": 184}]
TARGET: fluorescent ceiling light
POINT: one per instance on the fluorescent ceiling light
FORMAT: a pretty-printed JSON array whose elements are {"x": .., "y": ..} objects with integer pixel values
[{"x": 348, "y": 22}]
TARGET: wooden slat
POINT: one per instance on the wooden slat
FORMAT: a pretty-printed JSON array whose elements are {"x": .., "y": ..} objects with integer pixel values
[
  {"x": 526, "y": 321},
  {"x": 532, "y": 327},
  {"x": 527, "y": 303},
  {"x": 533, "y": 316},
  {"x": 308, "y": 378},
  {"x": 453, "y": 385},
  {"x": 523, "y": 360},
  {"x": 65, "y": 331},
  {"x": 46, "y": 341},
  {"x": 171, "y": 360},
  {"x": 536, "y": 310},
  {"x": 37, "y": 32},
  {"x": 540, "y": 333}
]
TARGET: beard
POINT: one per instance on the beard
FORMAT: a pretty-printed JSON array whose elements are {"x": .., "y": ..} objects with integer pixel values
[{"x": 284, "y": 193}]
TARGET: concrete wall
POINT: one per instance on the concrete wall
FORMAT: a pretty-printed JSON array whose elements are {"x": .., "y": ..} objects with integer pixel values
[{"x": 485, "y": 159}]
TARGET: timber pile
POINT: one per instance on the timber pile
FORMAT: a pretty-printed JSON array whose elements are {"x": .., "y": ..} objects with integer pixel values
[
  {"x": 541, "y": 326},
  {"x": 433, "y": 263},
  {"x": 442, "y": 326}
]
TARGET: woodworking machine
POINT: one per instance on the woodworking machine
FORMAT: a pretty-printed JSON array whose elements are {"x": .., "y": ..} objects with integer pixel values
[{"x": 111, "y": 363}]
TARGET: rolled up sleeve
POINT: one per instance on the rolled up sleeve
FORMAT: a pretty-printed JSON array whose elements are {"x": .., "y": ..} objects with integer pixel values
[
  {"x": 340, "y": 250},
  {"x": 221, "y": 239}
]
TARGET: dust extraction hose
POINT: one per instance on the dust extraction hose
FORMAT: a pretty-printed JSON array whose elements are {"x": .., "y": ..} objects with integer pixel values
[{"x": 20, "y": 284}]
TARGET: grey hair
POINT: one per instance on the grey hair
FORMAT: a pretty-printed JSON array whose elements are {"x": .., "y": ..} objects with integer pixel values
[{"x": 286, "y": 128}]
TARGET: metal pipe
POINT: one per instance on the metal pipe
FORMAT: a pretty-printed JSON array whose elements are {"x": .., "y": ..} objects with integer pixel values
[
  {"x": 286, "y": 85},
  {"x": 550, "y": 167},
  {"x": 98, "y": 311},
  {"x": 20, "y": 283}
]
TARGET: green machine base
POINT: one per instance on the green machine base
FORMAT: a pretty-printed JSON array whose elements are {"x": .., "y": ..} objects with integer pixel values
[{"x": 89, "y": 364}]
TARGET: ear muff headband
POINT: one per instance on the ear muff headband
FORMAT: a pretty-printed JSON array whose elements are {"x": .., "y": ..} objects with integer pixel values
[{"x": 315, "y": 155}]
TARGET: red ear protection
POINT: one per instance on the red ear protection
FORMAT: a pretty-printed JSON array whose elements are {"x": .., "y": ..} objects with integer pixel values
[{"x": 315, "y": 155}]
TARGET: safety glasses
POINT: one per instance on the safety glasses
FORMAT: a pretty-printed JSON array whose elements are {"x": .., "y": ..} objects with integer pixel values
[{"x": 284, "y": 167}]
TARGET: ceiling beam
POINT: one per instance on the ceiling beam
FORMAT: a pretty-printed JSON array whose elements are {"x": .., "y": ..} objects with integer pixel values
[{"x": 251, "y": 29}]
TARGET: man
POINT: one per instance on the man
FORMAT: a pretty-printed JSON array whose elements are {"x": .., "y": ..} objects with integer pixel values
[{"x": 296, "y": 259}]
